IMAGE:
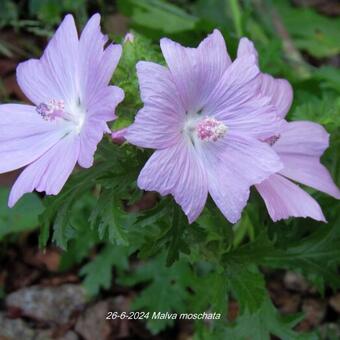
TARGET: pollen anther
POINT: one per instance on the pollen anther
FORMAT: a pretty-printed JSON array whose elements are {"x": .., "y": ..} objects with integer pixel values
[
  {"x": 53, "y": 109},
  {"x": 210, "y": 129}
]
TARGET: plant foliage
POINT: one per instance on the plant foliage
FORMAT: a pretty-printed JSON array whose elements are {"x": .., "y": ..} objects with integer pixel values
[{"x": 179, "y": 267}]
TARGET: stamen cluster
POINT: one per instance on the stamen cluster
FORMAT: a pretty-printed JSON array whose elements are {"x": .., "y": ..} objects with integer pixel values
[
  {"x": 54, "y": 108},
  {"x": 210, "y": 129}
]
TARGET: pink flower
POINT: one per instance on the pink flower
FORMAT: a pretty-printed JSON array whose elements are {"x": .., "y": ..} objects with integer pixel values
[
  {"x": 72, "y": 102},
  {"x": 204, "y": 116},
  {"x": 300, "y": 145}
]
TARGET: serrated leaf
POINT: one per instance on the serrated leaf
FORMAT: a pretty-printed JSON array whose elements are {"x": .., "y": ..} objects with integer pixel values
[
  {"x": 98, "y": 272},
  {"x": 210, "y": 292},
  {"x": 59, "y": 208},
  {"x": 318, "y": 253},
  {"x": 166, "y": 290},
  {"x": 324, "y": 111},
  {"x": 261, "y": 325},
  {"x": 23, "y": 216},
  {"x": 110, "y": 219},
  {"x": 247, "y": 284},
  {"x": 329, "y": 76},
  {"x": 115, "y": 171},
  {"x": 252, "y": 252}
]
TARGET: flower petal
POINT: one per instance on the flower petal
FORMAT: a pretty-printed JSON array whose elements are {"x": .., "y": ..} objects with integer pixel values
[
  {"x": 246, "y": 48},
  {"x": 177, "y": 170},
  {"x": 54, "y": 76},
  {"x": 229, "y": 191},
  {"x": 278, "y": 90},
  {"x": 309, "y": 171},
  {"x": 158, "y": 89},
  {"x": 285, "y": 199},
  {"x": 237, "y": 85},
  {"x": 92, "y": 133},
  {"x": 96, "y": 64},
  {"x": 236, "y": 101},
  {"x": 153, "y": 129},
  {"x": 25, "y": 136},
  {"x": 103, "y": 106},
  {"x": 233, "y": 165},
  {"x": 256, "y": 118},
  {"x": 196, "y": 70},
  {"x": 158, "y": 124},
  {"x": 48, "y": 173},
  {"x": 302, "y": 138},
  {"x": 300, "y": 146}
]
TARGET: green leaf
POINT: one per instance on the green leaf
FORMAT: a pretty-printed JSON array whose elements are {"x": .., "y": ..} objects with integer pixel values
[
  {"x": 176, "y": 232},
  {"x": 261, "y": 325},
  {"x": 46, "y": 10},
  {"x": 324, "y": 110},
  {"x": 317, "y": 254},
  {"x": 210, "y": 290},
  {"x": 214, "y": 11},
  {"x": 158, "y": 15},
  {"x": 79, "y": 247},
  {"x": 212, "y": 233},
  {"x": 164, "y": 226},
  {"x": 253, "y": 252},
  {"x": 166, "y": 290},
  {"x": 247, "y": 284},
  {"x": 8, "y": 12},
  {"x": 59, "y": 209},
  {"x": 329, "y": 76},
  {"x": 98, "y": 272},
  {"x": 50, "y": 11},
  {"x": 313, "y": 32},
  {"x": 24, "y": 215},
  {"x": 243, "y": 228},
  {"x": 110, "y": 219}
]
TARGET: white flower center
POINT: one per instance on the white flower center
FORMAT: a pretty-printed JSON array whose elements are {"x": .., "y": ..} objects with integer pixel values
[
  {"x": 55, "y": 109},
  {"x": 206, "y": 129}
]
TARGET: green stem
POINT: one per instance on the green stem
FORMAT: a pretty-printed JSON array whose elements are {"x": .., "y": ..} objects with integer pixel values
[{"x": 237, "y": 16}]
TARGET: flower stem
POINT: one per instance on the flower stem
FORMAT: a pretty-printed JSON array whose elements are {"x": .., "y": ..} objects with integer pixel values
[{"x": 237, "y": 17}]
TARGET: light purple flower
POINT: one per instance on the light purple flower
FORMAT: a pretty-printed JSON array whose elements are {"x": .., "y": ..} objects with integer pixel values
[
  {"x": 300, "y": 145},
  {"x": 129, "y": 38},
  {"x": 204, "y": 115},
  {"x": 72, "y": 102}
]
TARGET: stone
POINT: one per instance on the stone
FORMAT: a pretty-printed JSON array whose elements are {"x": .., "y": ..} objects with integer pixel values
[
  {"x": 14, "y": 329},
  {"x": 315, "y": 310},
  {"x": 92, "y": 323},
  {"x": 49, "y": 304},
  {"x": 295, "y": 281}
]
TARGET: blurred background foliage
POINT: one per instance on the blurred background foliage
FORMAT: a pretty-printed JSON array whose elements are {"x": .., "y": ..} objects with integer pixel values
[{"x": 179, "y": 267}]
